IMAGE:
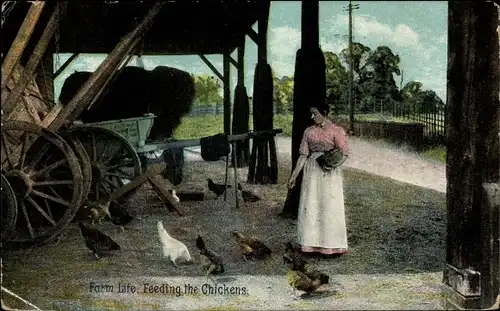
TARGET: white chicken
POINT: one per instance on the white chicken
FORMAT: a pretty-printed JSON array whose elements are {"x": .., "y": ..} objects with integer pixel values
[
  {"x": 176, "y": 198},
  {"x": 173, "y": 249}
]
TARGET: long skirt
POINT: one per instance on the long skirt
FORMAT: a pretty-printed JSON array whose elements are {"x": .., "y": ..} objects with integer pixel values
[{"x": 321, "y": 225}]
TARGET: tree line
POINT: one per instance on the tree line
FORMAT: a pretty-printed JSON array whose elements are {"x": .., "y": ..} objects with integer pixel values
[
  {"x": 375, "y": 88},
  {"x": 374, "y": 84}
]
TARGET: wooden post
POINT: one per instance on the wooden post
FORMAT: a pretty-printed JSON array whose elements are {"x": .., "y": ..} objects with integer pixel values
[
  {"x": 227, "y": 92},
  {"x": 472, "y": 153},
  {"x": 309, "y": 88},
  {"x": 23, "y": 36},
  {"x": 93, "y": 85},
  {"x": 262, "y": 102},
  {"x": 34, "y": 60},
  {"x": 241, "y": 109}
]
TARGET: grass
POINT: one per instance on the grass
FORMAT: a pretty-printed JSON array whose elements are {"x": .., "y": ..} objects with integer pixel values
[
  {"x": 438, "y": 153},
  {"x": 193, "y": 127}
]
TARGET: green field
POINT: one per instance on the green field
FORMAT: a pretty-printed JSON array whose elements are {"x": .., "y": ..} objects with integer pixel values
[{"x": 193, "y": 127}]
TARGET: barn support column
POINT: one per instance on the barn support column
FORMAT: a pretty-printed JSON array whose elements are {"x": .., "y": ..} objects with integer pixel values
[
  {"x": 309, "y": 89},
  {"x": 226, "y": 81},
  {"x": 263, "y": 168},
  {"x": 473, "y": 171},
  {"x": 241, "y": 109}
]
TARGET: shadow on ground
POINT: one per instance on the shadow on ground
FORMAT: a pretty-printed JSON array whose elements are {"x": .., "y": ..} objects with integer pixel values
[{"x": 393, "y": 228}]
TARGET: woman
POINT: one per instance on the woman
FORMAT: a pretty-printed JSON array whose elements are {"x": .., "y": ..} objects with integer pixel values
[{"x": 321, "y": 226}]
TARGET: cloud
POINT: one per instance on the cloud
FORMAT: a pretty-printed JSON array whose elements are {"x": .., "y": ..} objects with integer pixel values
[
  {"x": 283, "y": 45},
  {"x": 367, "y": 27}
]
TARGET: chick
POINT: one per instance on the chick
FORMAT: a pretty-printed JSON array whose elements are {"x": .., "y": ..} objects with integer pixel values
[
  {"x": 252, "y": 248},
  {"x": 210, "y": 261},
  {"x": 98, "y": 211}
]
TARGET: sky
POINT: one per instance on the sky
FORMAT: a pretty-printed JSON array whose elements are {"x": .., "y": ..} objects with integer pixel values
[{"x": 414, "y": 30}]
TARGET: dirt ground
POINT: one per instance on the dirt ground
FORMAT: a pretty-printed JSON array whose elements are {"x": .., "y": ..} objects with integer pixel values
[{"x": 396, "y": 235}]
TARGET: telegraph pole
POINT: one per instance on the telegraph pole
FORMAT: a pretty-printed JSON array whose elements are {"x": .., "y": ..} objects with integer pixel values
[{"x": 351, "y": 69}]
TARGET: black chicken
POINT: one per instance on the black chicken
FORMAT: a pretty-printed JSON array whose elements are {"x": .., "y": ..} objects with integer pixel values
[
  {"x": 119, "y": 215},
  {"x": 218, "y": 189},
  {"x": 248, "y": 196},
  {"x": 97, "y": 241},
  {"x": 211, "y": 262}
]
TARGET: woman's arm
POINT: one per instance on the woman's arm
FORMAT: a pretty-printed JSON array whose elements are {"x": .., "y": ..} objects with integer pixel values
[{"x": 301, "y": 161}]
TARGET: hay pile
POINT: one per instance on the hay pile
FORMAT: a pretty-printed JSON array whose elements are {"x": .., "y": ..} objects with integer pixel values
[{"x": 166, "y": 92}]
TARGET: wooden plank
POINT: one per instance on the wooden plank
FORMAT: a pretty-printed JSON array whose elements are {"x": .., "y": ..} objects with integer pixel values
[
  {"x": 22, "y": 38},
  {"x": 34, "y": 60},
  {"x": 158, "y": 184},
  {"x": 65, "y": 64},
  {"x": 154, "y": 169}
]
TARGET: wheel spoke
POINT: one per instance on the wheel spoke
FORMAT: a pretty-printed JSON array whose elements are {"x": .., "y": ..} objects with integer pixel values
[
  {"x": 48, "y": 196},
  {"x": 41, "y": 211},
  {"x": 28, "y": 222},
  {"x": 103, "y": 152},
  {"x": 126, "y": 163},
  {"x": 53, "y": 182},
  {"x": 118, "y": 175},
  {"x": 49, "y": 168},
  {"x": 49, "y": 210},
  {"x": 7, "y": 153},
  {"x": 30, "y": 167},
  {"x": 24, "y": 146},
  {"x": 94, "y": 150}
]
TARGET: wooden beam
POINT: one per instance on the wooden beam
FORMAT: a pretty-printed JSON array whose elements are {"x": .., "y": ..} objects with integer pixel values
[
  {"x": 233, "y": 61},
  {"x": 263, "y": 28},
  {"x": 227, "y": 93},
  {"x": 241, "y": 62},
  {"x": 34, "y": 60},
  {"x": 211, "y": 66},
  {"x": 95, "y": 82},
  {"x": 472, "y": 150},
  {"x": 65, "y": 64},
  {"x": 23, "y": 36},
  {"x": 253, "y": 35},
  {"x": 231, "y": 138}
]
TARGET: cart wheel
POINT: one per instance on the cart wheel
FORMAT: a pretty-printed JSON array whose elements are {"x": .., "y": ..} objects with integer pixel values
[
  {"x": 9, "y": 209},
  {"x": 84, "y": 160},
  {"x": 46, "y": 177},
  {"x": 113, "y": 159}
]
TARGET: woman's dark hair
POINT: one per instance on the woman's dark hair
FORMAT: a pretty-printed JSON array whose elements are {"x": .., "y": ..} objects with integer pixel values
[{"x": 323, "y": 109}]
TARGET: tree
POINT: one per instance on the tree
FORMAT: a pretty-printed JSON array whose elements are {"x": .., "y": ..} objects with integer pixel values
[
  {"x": 208, "y": 91},
  {"x": 360, "y": 55},
  {"x": 336, "y": 83},
  {"x": 377, "y": 76},
  {"x": 283, "y": 94}
]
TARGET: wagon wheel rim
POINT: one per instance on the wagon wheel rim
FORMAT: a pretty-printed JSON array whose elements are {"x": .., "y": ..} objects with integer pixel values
[
  {"x": 9, "y": 209},
  {"x": 113, "y": 159},
  {"x": 46, "y": 178},
  {"x": 84, "y": 160}
]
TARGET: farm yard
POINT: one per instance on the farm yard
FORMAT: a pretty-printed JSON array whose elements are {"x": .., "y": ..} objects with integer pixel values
[
  {"x": 396, "y": 235},
  {"x": 108, "y": 168}
]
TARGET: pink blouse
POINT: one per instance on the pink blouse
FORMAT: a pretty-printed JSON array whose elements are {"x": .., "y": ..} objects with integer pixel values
[{"x": 320, "y": 138}]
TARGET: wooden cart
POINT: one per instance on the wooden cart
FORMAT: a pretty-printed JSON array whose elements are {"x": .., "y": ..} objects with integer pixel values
[{"x": 49, "y": 165}]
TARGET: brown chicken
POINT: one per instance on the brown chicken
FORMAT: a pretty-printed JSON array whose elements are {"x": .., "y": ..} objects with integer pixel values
[
  {"x": 302, "y": 275},
  {"x": 252, "y": 248}
]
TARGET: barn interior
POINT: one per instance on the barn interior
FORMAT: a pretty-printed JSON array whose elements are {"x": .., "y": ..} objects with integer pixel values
[{"x": 47, "y": 275}]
